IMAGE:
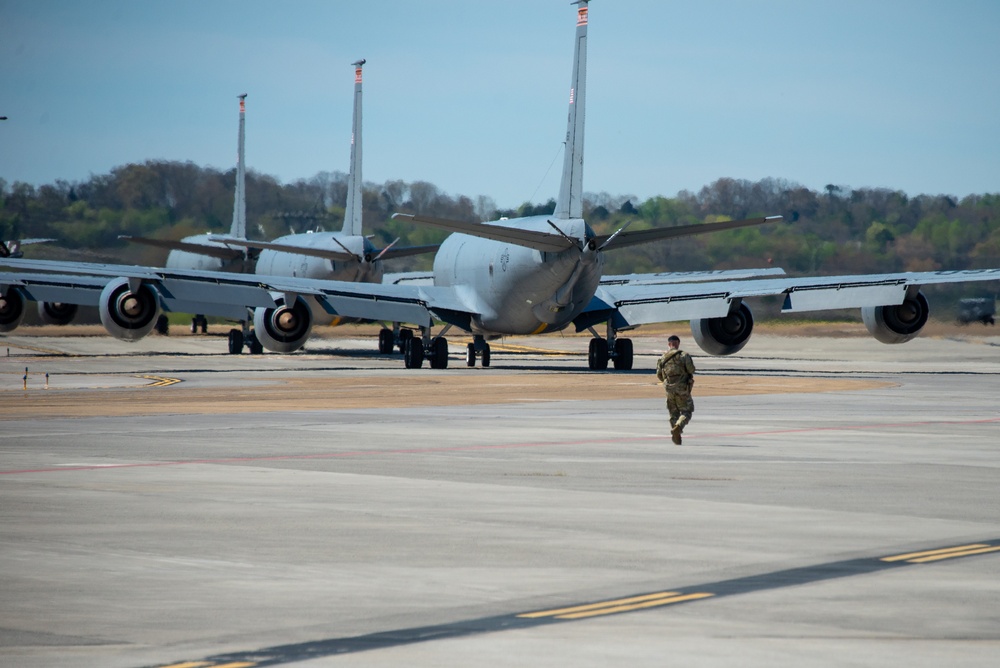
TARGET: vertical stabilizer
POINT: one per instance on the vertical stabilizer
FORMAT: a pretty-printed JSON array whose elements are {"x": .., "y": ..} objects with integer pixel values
[
  {"x": 570, "y": 203},
  {"x": 239, "y": 227},
  {"x": 352, "y": 215}
]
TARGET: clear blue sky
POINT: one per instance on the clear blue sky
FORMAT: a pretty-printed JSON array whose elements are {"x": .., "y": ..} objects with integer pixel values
[{"x": 472, "y": 95}]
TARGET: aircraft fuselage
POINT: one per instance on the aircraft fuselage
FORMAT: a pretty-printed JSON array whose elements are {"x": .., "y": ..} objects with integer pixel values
[{"x": 520, "y": 290}]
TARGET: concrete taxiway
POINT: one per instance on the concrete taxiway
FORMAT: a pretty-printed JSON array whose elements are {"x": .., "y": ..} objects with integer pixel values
[{"x": 834, "y": 503}]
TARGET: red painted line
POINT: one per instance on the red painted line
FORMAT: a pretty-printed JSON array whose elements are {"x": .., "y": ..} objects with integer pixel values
[{"x": 474, "y": 448}]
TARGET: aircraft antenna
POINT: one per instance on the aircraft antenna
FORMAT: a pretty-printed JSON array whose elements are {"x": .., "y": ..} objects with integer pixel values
[{"x": 546, "y": 175}]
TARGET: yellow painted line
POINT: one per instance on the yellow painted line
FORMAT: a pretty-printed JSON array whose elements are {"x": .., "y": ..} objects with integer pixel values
[
  {"x": 236, "y": 664},
  {"x": 160, "y": 381},
  {"x": 929, "y": 553},
  {"x": 509, "y": 347},
  {"x": 188, "y": 664},
  {"x": 639, "y": 606},
  {"x": 951, "y": 555},
  {"x": 619, "y": 605}
]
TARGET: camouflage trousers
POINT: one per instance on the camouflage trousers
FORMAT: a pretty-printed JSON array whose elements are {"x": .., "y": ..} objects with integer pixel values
[{"x": 679, "y": 403}]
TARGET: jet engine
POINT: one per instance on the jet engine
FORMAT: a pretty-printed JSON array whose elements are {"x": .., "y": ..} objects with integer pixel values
[
  {"x": 726, "y": 335},
  {"x": 56, "y": 313},
  {"x": 11, "y": 310},
  {"x": 128, "y": 315},
  {"x": 283, "y": 329},
  {"x": 898, "y": 323}
]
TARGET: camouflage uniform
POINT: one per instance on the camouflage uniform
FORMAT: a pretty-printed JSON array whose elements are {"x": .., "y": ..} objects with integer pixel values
[{"x": 675, "y": 370}]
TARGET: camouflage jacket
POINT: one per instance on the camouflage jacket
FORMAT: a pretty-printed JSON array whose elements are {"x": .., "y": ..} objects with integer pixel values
[{"x": 675, "y": 369}]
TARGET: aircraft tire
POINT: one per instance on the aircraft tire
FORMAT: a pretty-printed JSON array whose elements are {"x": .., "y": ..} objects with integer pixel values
[
  {"x": 439, "y": 353},
  {"x": 485, "y": 357},
  {"x": 404, "y": 336},
  {"x": 413, "y": 357},
  {"x": 470, "y": 355},
  {"x": 385, "y": 341},
  {"x": 597, "y": 358},
  {"x": 162, "y": 326},
  {"x": 235, "y": 342},
  {"x": 254, "y": 344},
  {"x": 623, "y": 354}
]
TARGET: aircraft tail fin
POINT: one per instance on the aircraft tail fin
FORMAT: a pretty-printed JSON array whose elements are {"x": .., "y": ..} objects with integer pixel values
[
  {"x": 352, "y": 214},
  {"x": 570, "y": 203},
  {"x": 239, "y": 227}
]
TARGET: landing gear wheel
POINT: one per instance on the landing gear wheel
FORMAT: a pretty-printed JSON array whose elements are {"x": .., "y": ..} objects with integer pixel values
[
  {"x": 439, "y": 353},
  {"x": 162, "y": 326},
  {"x": 255, "y": 346},
  {"x": 385, "y": 341},
  {"x": 623, "y": 354},
  {"x": 598, "y": 356},
  {"x": 235, "y": 342},
  {"x": 413, "y": 356},
  {"x": 485, "y": 355},
  {"x": 404, "y": 336},
  {"x": 470, "y": 355}
]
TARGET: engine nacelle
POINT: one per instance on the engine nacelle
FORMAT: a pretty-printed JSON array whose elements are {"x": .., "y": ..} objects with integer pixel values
[
  {"x": 283, "y": 329},
  {"x": 898, "y": 323},
  {"x": 128, "y": 315},
  {"x": 56, "y": 313},
  {"x": 11, "y": 310},
  {"x": 724, "y": 336}
]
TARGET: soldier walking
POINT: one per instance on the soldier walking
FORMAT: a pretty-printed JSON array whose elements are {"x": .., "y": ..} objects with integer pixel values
[{"x": 675, "y": 369}]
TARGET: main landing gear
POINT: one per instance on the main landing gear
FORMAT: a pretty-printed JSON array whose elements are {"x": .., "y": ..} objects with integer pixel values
[
  {"x": 618, "y": 351},
  {"x": 199, "y": 322},
  {"x": 478, "y": 348},
  {"x": 238, "y": 338},
  {"x": 416, "y": 349}
]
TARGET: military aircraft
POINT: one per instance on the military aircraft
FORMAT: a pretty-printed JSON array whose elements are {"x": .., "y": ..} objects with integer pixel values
[
  {"x": 346, "y": 255},
  {"x": 509, "y": 277}
]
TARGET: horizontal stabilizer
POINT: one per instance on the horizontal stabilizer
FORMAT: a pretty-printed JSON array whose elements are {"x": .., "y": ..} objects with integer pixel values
[
  {"x": 542, "y": 241},
  {"x": 337, "y": 255},
  {"x": 198, "y": 249},
  {"x": 645, "y": 236},
  {"x": 393, "y": 253},
  {"x": 690, "y": 276}
]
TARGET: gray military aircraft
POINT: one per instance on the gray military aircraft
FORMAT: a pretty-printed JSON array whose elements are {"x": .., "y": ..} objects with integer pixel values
[
  {"x": 345, "y": 256},
  {"x": 510, "y": 277}
]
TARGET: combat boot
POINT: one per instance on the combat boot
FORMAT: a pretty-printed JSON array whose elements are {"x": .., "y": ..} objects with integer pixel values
[{"x": 675, "y": 431}]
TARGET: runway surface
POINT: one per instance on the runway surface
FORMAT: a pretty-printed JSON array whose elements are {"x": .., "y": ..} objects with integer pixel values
[{"x": 834, "y": 503}]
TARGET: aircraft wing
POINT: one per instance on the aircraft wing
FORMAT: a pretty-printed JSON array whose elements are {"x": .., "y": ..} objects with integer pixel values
[
  {"x": 63, "y": 289},
  {"x": 220, "y": 252},
  {"x": 643, "y": 302},
  {"x": 409, "y": 278},
  {"x": 225, "y": 294}
]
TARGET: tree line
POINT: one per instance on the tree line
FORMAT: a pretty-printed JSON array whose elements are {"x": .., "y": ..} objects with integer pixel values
[{"x": 834, "y": 231}]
